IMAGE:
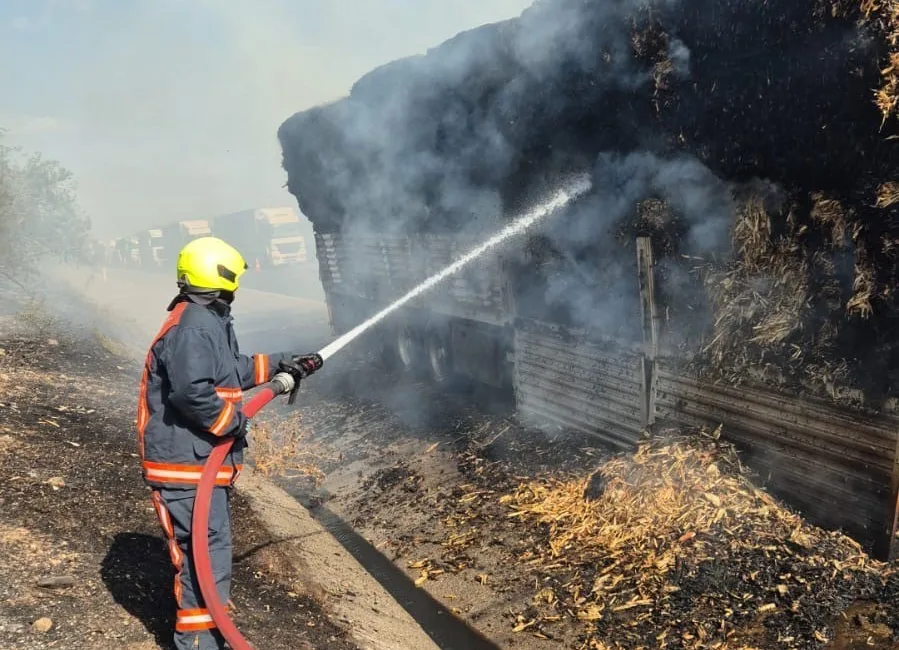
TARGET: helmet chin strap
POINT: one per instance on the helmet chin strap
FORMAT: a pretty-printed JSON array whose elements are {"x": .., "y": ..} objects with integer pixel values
[{"x": 206, "y": 296}]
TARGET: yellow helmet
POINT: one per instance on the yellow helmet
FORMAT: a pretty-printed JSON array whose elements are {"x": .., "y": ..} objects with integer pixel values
[{"x": 211, "y": 264}]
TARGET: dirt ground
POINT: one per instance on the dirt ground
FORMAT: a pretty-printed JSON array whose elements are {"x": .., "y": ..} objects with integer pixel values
[{"x": 82, "y": 562}]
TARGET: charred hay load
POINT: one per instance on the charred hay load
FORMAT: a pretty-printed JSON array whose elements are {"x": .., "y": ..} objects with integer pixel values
[{"x": 764, "y": 128}]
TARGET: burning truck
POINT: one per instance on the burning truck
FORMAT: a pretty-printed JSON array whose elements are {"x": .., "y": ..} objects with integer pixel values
[{"x": 735, "y": 262}]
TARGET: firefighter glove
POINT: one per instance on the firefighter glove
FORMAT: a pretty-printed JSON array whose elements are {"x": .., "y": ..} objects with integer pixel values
[{"x": 308, "y": 363}]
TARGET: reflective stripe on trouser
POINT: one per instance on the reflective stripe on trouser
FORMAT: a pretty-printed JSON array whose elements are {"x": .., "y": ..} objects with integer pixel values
[{"x": 174, "y": 509}]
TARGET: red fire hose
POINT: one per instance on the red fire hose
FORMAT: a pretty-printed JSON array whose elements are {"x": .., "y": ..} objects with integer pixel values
[{"x": 200, "y": 523}]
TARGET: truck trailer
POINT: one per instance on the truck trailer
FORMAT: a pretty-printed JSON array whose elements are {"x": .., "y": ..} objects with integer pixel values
[
  {"x": 267, "y": 236},
  {"x": 176, "y": 235}
]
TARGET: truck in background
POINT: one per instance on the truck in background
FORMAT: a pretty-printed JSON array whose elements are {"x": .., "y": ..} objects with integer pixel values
[
  {"x": 153, "y": 254},
  {"x": 176, "y": 235},
  {"x": 120, "y": 251},
  {"x": 127, "y": 251},
  {"x": 266, "y": 236}
]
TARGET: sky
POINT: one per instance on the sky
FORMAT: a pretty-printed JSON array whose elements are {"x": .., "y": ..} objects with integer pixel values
[{"x": 169, "y": 109}]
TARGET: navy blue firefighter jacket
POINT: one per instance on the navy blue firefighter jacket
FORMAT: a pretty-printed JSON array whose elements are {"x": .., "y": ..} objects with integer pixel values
[{"x": 191, "y": 394}]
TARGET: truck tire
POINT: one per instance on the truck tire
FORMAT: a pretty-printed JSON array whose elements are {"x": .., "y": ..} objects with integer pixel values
[
  {"x": 439, "y": 354},
  {"x": 409, "y": 350}
]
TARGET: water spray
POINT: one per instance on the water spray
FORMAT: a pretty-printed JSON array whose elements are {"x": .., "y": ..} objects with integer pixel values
[
  {"x": 518, "y": 226},
  {"x": 288, "y": 382}
]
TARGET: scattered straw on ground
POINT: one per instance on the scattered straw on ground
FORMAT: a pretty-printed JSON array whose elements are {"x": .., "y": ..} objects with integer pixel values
[
  {"x": 674, "y": 543},
  {"x": 282, "y": 449},
  {"x": 885, "y": 13}
]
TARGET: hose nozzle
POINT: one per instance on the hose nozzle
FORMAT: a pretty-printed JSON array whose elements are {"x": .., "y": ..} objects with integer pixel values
[
  {"x": 299, "y": 368},
  {"x": 309, "y": 362}
]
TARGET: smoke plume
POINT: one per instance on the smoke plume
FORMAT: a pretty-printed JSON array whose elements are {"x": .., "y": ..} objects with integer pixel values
[{"x": 693, "y": 105}]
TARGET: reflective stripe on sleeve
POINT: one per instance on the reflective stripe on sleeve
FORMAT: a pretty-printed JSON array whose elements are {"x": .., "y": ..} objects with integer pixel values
[
  {"x": 229, "y": 394},
  {"x": 260, "y": 362},
  {"x": 223, "y": 420}
]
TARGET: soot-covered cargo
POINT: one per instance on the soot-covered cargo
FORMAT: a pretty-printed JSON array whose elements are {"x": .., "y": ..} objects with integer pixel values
[
  {"x": 750, "y": 140},
  {"x": 760, "y": 128}
]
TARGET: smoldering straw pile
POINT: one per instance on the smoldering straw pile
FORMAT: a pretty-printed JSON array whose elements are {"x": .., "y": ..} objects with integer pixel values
[{"x": 673, "y": 547}]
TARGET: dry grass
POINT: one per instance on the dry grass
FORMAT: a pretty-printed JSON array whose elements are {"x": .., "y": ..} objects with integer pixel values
[
  {"x": 660, "y": 73},
  {"x": 887, "y": 194},
  {"x": 863, "y": 286},
  {"x": 886, "y": 14},
  {"x": 282, "y": 449},
  {"x": 650, "y": 44},
  {"x": 627, "y": 531},
  {"x": 829, "y": 214},
  {"x": 780, "y": 304}
]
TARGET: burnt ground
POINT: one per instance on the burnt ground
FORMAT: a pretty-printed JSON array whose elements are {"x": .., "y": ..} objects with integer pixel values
[
  {"x": 420, "y": 474},
  {"x": 79, "y": 541}
]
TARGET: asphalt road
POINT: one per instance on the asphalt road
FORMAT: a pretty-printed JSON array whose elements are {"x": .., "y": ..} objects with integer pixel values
[
  {"x": 300, "y": 281},
  {"x": 130, "y": 306}
]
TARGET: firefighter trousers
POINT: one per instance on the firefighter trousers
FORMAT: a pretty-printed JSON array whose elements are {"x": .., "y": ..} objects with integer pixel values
[{"x": 194, "y": 627}]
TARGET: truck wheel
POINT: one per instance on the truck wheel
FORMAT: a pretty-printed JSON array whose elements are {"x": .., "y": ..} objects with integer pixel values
[
  {"x": 406, "y": 346},
  {"x": 439, "y": 356},
  {"x": 408, "y": 349}
]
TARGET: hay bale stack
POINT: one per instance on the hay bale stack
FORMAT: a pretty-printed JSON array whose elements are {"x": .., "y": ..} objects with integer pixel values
[{"x": 777, "y": 89}]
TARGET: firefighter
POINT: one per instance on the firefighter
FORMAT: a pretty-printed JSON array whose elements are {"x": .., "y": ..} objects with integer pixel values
[{"x": 190, "y": 396}]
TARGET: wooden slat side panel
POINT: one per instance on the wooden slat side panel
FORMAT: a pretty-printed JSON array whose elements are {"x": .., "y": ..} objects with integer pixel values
[
  {"x": 831, "y": 462},
  {"x": 583, "y": 386},
  {"x": 385, "y": 268}
]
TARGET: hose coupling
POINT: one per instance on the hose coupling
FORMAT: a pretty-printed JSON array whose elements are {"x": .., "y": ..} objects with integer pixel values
[{"x": 284, "y": 381}]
